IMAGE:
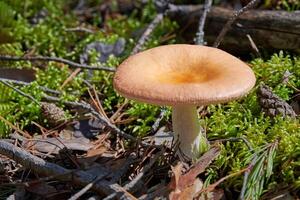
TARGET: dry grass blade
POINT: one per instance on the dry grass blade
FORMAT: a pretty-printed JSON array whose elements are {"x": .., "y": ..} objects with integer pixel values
[
  {"x": 73, "y": 74},
  {"x": 212, "y": 187},
  {"x": 15, "y": 128}
]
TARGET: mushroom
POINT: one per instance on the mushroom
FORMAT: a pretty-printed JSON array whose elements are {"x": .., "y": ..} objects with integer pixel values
[{"x": 184, "y": 76}]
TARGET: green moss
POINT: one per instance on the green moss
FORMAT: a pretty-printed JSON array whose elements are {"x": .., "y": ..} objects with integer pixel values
[{"x": 244, "y": 119}]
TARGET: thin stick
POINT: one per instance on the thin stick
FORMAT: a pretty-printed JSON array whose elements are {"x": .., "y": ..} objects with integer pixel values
[
  {"x": 45, "y": 89},
  {"x": 159, "y": 17},
  {"x": 89, "y": 108},
  {"x": 236, "y": 14},
  {"x": 250, "y": 166},
  {"x": 14, "y": 127},
  {"x": 56, "y": 59},
  {"x": 132, "y": 186},
  {"x": 98, "y": 102},
  {"x": 86, "y": 188},
  {"x": 155, "y": 126},
  {"x": 253, "y": 45},
  {"x": 199, "y": 39},
  {"x": 20, "y": 92},
  {"x": 70, "y": 78},
  {"x": 79, "y": 29},
  {"x": 40, "y": 166},
  {"x": 214, "y": 185}
]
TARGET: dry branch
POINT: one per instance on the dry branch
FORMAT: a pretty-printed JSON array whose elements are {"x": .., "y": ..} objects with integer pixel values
[
  {"x": 55, "y": 59},
  {"x": 232, "y": 19},
  {"x": 268, "y": 29},
  {"x": 23, "y": 83},
  {"x": 89, "y": 108},
  {"x": 158, "y": 18},
  {"x": 136, "y": 183},
  {"x": 42, "y": 167},
  {"x": 199, "y": 39}
]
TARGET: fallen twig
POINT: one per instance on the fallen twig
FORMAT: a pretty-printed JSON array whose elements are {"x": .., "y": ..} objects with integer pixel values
[
  {"x": 159, "y": 17},
  {"x": 45, "y": 168},
  {"x": 236, "y": 14},
  {"x": 211, "y": 187},
  {"x": 83, "y": 105},
  {"x": 250, "y": 166},
  {"x": 86, "y": 188},
  {"x": 155, "y": 126},
  {"x": 55, "y": 59},
  {"x": 20, "y": 92},
  {"x": 14, "y": 127},
  {"x": 199, "y": 39},
  {"x": 45, "y": 89},
  {"x": 253, "y": 45},
  {"x": 89, "y": 108},
  {"x": 133, "y": 185}
]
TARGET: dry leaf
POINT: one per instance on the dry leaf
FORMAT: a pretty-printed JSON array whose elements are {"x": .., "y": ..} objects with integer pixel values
[
  {"x": 53, "y": 145},
  {"x": 96, "y": 152},
  {"x": 187, "y": 185},
  {"x": 188, "y": 192}
]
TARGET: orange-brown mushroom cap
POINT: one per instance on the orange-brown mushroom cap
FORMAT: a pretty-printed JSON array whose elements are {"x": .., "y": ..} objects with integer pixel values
[{"x": 183, "y": 74}]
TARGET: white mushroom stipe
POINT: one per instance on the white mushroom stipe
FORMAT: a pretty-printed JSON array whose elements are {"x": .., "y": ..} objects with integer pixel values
[{"x": 187, "y": 129}]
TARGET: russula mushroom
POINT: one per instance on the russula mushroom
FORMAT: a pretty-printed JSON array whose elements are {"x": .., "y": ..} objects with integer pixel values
[{"x": 184, "y": 77}]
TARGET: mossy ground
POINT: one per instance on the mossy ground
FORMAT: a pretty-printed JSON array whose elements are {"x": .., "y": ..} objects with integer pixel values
[{"x": 244, "y": 118}]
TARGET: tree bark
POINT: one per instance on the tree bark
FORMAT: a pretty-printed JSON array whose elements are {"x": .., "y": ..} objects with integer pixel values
[{"x": 270, "y": 30}]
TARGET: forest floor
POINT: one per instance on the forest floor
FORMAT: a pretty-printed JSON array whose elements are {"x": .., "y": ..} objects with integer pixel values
[{"x": 67, "y": 134}]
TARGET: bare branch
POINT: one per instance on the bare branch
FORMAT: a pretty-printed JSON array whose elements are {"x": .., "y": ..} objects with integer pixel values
[
  {"x": 23, "y": 83},
  {"x": 162, "y": 114},
  {"x": 45, "y": 168},
  {"x": 86, "y": 188},
  {"x": 159, "y": 17},
  {"x": 236, "y": 14},
  {"x": 133, "y": 185},
  {"x": 20, "y": 92},
  {"x": 55, "y": 59},
  {"x": 88, "y": 107},
  {"x": 199, "y": 39}
]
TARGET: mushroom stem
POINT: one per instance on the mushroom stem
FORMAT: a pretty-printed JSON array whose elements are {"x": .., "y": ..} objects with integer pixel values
[{"x": 186, "y": 127}]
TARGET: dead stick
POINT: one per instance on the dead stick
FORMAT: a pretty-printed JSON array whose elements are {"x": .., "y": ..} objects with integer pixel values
[
  {"x": 199, "y": 39},
  {"x": 214, "y": 185},
  {"x": 45, "y": 168},
  {"x": 89, "y": 108},
  {"x": 23, "y": 83},
  {"x": 236, "y": 14},
  {"x": 86, "y": 188},
  {"x": 56, "y": 59},
  {"x": 162, "y": 114},
  {"x": 132, "y": 186},
  {"x": 20, "y": 92},
  {"x": 159, "y": 17}
]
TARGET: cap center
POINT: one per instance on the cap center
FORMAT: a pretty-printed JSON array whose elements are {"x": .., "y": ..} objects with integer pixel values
[{"x": 193, "y": 75}]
